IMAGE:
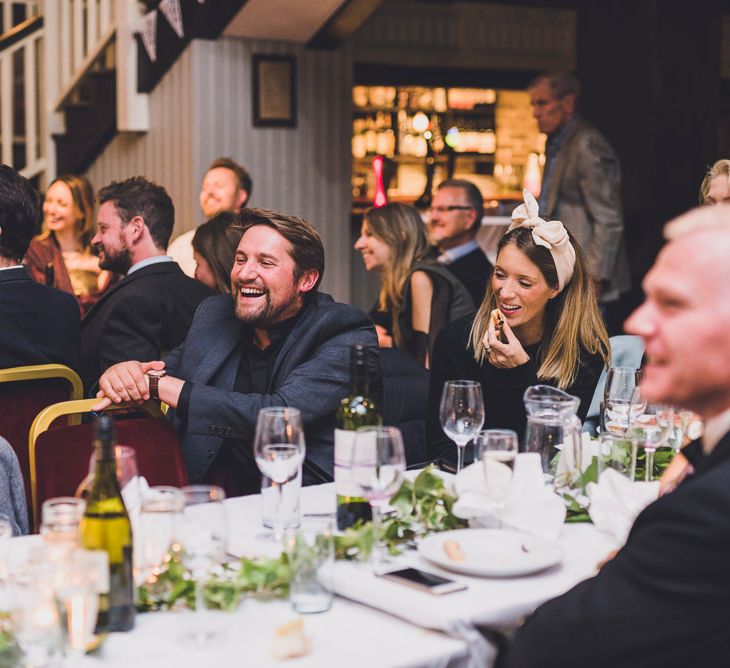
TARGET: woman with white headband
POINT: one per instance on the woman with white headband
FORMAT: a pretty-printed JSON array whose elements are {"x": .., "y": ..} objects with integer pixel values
[{"x": 551, "y": 323}]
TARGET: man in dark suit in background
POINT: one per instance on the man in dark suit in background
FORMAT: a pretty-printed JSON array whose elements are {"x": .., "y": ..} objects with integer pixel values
[
  {"x": 455, "y": 216},
  {"x": 664, "y": 600},
  {"x": 150, "y": 310},
  {"x": 38, "y": 324},
  {"x": 275, "y": 341}
]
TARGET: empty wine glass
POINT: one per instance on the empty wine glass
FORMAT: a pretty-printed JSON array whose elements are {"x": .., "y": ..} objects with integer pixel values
[
  {"x": 497, "y": 450},
  {"x": 279, "y": 451},
  {"x": 126, "y": 465},
  {"x": 620, "y": 402},
  {"x": 651, "y": 430},
  {"x": 378, "y": 465},
  {"x": 204, "y": 536},
  {"x": 461, "y": 413}
]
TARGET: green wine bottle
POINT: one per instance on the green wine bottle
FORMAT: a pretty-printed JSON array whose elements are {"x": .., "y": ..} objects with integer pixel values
[
  {"x": 106, "y": 526},
  {"x": 355, "y": 411}
]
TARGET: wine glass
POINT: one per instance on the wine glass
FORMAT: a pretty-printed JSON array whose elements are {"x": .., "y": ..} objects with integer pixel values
[
  {"x": 497, "y": 450},
  {"x": 651, "y": 430},
  {"x": 461, "y": 413},
  {"x": 279, "y": 452},
  {"x": 127, "y": 470},
  {"x": 378, "y": 465},
  {"x": 203, "y": 533},
  {"x": 621, "y": 404}
]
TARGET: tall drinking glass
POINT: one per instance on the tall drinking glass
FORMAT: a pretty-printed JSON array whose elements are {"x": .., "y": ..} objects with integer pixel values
[
  {"x": 377, "y": 467},
  {"x": 159, "y": 528},
  {"x": 497, "y": 450},
  {"x": 279, "y": 451},
  {"x": 620, "y": 402},
  {"x": 204, "y": 535},
  {"x": 461, "y": 413}
]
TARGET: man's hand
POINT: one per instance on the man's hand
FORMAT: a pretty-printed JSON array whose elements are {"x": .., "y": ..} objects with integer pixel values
[{"x": 126, "y": 381}]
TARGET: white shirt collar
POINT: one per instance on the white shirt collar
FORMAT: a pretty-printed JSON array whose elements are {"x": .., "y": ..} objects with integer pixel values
[
  {"x": 15, "y": 266},
  {"x": 148, "y": 261},
  {"x": 453, "y": 254},
  {"x": 715, "y": 428}
]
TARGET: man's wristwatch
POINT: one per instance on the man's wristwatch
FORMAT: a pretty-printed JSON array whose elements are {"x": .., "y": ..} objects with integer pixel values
[{"x": 153, "y": 377}]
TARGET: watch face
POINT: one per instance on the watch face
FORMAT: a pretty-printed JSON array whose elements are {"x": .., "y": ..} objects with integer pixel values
[{"x": 157, "y": 374}]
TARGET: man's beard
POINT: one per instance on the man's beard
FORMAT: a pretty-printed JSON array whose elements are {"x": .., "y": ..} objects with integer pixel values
[
  {"x": 118, "y": 262},
  {"x": 268, "y": 314}
]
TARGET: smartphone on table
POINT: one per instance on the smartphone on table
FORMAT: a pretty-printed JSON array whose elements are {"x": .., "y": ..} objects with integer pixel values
[{"x": 428, "y": 582}]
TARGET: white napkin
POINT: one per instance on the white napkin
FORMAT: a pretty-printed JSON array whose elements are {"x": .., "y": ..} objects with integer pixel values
[
  {"x": 568, "y": 470},
  {"x": 616, "y": 501},
  {"x": 532, "y": 507},
  {"x": 132, "y": 494}
]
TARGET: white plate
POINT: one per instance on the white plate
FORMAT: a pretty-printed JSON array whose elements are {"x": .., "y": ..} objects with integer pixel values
[{"x": 492, "y": 552}]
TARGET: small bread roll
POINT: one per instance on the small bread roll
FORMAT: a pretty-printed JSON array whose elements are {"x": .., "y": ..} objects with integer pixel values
[{"x": 290, "y": 641}]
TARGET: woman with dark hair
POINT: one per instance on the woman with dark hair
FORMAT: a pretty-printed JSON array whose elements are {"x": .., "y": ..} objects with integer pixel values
[
  {"x": 417, "y": 295},
  {"x": 214, "y": 249},
  {"x": 552, "y": 331},
  {"x": 61, "y": 256}
]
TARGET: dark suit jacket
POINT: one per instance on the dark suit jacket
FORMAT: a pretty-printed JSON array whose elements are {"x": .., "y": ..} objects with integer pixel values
[
  {"x": 311, "y": 373},
  {"x": 473, "y": 270},
  {"x": 663, "y": 601},
  {"x": 38, "y": 324},
  {"x": 585, "y": 196},
  {"x": 142, "y": 317}
]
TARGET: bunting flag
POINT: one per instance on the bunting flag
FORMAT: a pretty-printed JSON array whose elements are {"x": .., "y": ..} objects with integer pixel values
[
  {"x": 173, "y": 14},
  {"x": 149, "y": 35}
]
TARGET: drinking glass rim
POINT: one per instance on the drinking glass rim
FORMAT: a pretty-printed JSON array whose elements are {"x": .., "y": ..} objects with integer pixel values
[
  {"x": 193, "y": 489},
  {"x": 280, "y": 410},
  {"x": 497, "y": 432},
  {"x": 461, "y": 383}
]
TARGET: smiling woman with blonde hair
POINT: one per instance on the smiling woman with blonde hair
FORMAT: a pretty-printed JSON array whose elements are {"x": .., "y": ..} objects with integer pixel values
[{"x": 552, "y": 329}]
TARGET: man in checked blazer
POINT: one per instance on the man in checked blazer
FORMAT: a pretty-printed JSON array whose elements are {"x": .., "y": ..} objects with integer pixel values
[{"x": 581, "y": 182}]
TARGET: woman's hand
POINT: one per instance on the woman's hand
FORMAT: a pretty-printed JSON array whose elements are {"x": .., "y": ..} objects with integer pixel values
[
  {"x": 504, "y": 355},
  {"x": 385, "y": 340}
]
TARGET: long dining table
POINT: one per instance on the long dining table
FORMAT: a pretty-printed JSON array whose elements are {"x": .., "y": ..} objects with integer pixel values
[{"x": 372, "y": 622}]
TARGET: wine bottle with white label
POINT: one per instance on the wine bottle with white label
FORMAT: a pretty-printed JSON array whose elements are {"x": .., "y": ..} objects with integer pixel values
[
  {"x": 356, "y": 410},
  {"x": 106, "y": 526}
]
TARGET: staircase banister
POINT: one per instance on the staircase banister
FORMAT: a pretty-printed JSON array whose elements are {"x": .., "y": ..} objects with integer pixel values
[{"x": 19, "y": 32}]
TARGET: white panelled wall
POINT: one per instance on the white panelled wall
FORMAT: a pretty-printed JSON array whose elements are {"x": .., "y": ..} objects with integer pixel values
[{"x": 202, "y": 109}]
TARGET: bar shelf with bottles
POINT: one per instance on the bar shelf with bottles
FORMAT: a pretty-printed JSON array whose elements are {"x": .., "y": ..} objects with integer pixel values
[{"x": 430, "y": 134}]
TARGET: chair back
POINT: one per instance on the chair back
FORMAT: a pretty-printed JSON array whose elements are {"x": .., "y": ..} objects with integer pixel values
[
  {"x": 60, "y": 457},
  {"x": 24, "y": 392},
  {"x": 626, "y": 350}
]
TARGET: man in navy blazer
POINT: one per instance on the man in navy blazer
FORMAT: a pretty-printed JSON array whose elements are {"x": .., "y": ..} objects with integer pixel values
[
  {"x": 276, "y": 342},
  {"x": 150, "y": 310},
  {"x": 664, "y": 600},
  {"x": 38, "y": 324}
]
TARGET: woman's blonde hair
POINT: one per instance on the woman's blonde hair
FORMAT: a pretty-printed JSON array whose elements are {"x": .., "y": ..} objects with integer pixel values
[
  {"x": 572, "y": 319},
  {"x": 401, "y": 228},
  {"x": 720, "y": 168},
  {"x": 82, "y": 195}
]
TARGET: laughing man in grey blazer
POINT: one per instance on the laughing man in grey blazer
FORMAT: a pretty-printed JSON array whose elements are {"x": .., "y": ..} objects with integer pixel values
[{"x": 276, "y": 342}]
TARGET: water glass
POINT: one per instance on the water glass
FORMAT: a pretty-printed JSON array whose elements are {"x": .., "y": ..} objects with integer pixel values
[
  {"x": 497, "y": 450},
  {"x": 461, "y": 413},
  {"x": 617, "y": 452},
  {"x": 61, "y": 521},
  {"x": 159, "y": 526},
  {"x": 311, "y": 551}
]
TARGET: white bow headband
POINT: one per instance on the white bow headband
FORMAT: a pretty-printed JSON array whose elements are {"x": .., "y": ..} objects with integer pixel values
[{"x": 551, "y": 235}]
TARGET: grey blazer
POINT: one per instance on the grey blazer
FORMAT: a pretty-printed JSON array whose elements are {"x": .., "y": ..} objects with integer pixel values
[
  {"x": 12, "y": 491},
  {"x": 585, "y": 196},
  {"x": 311, "y": 373}
]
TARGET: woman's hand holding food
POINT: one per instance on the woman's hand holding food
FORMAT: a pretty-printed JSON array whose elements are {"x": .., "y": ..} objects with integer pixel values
[{"x": 503, "y": 355}]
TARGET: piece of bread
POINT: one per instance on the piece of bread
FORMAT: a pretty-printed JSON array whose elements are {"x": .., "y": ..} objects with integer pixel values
[
  {"x": 498, "y": 321},
  {"x": 290, "y": 641},
  {"x": 453, "y": 550}
]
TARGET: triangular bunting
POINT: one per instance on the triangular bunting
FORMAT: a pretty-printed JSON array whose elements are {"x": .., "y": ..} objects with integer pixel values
[
  {"x": 173, "y": 14},
  {"x": 149, "y": 34}
]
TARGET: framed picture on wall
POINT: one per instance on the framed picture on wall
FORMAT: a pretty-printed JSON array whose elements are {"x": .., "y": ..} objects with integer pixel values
[{"x": 274, "y": 91}]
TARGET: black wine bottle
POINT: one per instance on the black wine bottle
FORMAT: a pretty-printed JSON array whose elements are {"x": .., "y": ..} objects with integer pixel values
[
  {"x": 106, "y": 526},
  {"x": 355, "y": 411}
]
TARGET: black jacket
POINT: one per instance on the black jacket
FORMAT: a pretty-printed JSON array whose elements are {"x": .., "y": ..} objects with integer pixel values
[
  {"x": 473, "y": 270},
  {"x": 38, "y": 324},
  {"x": 142, "y": 317}
]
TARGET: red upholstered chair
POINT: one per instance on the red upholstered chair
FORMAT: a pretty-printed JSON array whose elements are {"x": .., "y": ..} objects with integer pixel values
[
  {"x": 24, "y": 392},
  {"x": 59, "y": 458}
]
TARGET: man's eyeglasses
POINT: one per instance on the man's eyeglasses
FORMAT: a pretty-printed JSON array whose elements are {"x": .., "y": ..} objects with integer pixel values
[{"x": 453, "y": 207}]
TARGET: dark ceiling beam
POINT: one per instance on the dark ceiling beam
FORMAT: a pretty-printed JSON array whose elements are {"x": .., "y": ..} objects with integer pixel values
[{"x": 343, "y": 23}]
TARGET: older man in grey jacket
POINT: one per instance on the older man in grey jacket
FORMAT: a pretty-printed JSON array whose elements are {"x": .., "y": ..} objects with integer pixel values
[
  {"x": 276, "y": 343},
  {"x": 581, "y": 182}
]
